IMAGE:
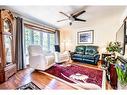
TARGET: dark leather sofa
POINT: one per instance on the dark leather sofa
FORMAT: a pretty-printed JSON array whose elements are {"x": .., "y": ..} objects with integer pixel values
[{"x": 86, "y": 54}]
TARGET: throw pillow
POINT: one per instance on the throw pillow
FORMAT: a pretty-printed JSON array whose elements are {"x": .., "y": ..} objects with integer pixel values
[{"x": 90, "y": 52}]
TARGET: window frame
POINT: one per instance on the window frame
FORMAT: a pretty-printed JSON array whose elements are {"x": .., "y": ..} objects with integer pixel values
[{"x": 39, "y": 29}]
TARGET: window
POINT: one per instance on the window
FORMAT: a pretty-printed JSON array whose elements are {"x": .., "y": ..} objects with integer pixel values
[
  {"x": 36, "y": 37},
  {"x": 52, "y": 42},
  {"x": 45, "y": 39},
  {"x": 27, "y": 39}
]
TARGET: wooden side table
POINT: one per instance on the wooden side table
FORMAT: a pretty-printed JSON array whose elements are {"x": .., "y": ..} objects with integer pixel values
[
  {"x": 104, "y": 55},
  {"x": 111, "y": 71},
  {"x": 113, "y": 76}
]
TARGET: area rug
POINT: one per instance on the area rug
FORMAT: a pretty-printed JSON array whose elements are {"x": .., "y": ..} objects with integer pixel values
[
  {"x": 72, "y": 73},
  {"x": 29, "y": 86}
]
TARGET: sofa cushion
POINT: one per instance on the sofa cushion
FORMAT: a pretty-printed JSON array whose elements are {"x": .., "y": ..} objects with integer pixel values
[
  {"x": 80, "y": 49},
  {"x": 77, "y": 55},
  {"x": 91, "y": 50},
  {"x": 88, "y": 56}
]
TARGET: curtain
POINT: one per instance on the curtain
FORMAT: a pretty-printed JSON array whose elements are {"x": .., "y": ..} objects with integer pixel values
[
  {"x": 57, "y": 37},
  {"x": 57, "y": 40},
  {"x": 19, "y": 51}
]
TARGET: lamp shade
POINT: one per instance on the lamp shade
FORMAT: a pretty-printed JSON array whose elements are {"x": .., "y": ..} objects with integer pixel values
[{"x": 57, "y": 48}]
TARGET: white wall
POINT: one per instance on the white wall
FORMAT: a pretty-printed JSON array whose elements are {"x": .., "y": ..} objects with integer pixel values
[{"x": 104, "y": 28}]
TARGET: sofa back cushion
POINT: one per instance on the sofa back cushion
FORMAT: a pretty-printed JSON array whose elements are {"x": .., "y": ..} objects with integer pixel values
[
  {"x": 80, "y": 49},
  {"x": 91, "y": 50}
]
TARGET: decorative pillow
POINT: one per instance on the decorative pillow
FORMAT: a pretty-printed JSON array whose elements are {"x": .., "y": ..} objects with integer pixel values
[
  {"x": 90, "y": 52},
  {"x": 79, "y": 50}
]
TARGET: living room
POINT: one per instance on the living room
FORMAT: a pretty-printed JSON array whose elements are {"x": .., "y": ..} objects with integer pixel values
[{"x": 95, "y": 26}]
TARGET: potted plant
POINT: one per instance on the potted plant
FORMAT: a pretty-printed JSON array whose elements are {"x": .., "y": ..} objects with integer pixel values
[
  {"x": 113, "y": 47},
  {"x": 120, "y": 68}
]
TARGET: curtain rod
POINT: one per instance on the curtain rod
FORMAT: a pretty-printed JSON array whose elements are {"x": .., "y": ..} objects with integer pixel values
[
  {"x": 38, "y": 24},
  {"x": 38, "y": 28}
]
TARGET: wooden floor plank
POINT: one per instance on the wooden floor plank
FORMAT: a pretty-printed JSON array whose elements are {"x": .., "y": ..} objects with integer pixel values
[{"x": 40, "y": 79}]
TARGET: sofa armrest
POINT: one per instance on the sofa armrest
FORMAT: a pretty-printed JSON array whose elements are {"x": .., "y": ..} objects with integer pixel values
[
  {"x": 72, "y": 53},
  {"x": 96, "y": 56}
]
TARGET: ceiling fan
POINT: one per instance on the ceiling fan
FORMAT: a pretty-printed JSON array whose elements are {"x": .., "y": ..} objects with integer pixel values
[{"x": 73, "y": 17}]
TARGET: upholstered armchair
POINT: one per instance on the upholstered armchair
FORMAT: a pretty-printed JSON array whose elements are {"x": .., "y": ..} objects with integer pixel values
[
  {"x": 61, "y": 56},
  {"x": 39, "y": 59}
]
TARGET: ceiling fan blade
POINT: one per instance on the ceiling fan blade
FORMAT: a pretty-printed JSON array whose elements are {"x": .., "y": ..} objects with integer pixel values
[
  {"x": 62, "y": 20},
  {"x": 79, "y": 13},
  {"x": 77, "y": 19},
  {"x": 64, "y": 14}
]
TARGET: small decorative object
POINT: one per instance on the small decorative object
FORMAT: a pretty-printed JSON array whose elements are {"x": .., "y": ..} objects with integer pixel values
[
  {"x": 85, "y": 37},
  {"x": 79, "y": 76},
  {"x": 29, "y": 86}
]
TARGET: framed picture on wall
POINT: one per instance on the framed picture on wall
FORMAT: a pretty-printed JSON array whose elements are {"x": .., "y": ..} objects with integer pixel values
[{"x": 85, "y": 37}]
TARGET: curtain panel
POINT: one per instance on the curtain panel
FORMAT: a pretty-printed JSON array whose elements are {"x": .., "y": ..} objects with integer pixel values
[
  {"x": 57, "y": 37},
  {"x": 19, "y": 48}
]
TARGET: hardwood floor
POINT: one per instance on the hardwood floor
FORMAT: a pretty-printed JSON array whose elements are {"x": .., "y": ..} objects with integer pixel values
[{"x": 41, "y": 80}]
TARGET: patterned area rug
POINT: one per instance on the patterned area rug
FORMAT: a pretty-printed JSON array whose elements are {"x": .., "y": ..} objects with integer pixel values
[
  {"x": 29, "y": 86},
  {"x": 77, "y": 74}
]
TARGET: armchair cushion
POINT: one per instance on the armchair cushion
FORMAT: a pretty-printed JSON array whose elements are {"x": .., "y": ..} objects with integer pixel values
[
  {"x": 35, "y": 50},
  {"x": 49, "y": 59}
]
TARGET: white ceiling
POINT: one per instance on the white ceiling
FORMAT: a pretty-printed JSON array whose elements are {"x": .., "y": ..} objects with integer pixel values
[{"x": 50, "y": 14}]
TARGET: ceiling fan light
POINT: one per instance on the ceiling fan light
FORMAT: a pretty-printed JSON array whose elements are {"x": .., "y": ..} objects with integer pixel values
[{"x": 70, "y": 23}]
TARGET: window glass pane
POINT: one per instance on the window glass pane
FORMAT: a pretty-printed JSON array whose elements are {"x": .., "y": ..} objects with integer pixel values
[
  {"x": 27, "y": 42},
  {"x": 36, "y": 36},
  {"x": 52, "y": 42},
  {"x": 45, "y": 41},
  {"x": 28, "y": 38}
]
